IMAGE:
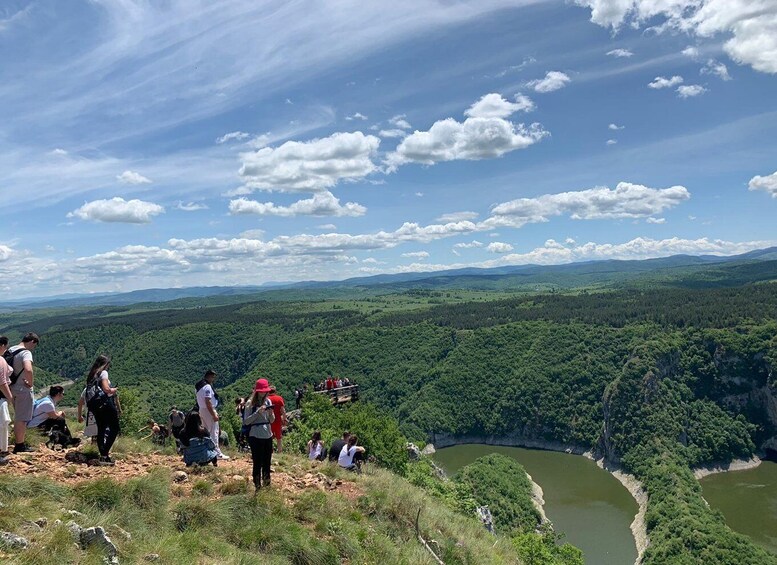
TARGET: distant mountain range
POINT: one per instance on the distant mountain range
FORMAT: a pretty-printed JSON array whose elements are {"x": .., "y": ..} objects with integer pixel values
[{"x": 677, "y": 270}]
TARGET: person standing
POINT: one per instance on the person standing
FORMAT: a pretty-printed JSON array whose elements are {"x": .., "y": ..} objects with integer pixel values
[
  {"x": 176, "y": 420},
  {"x": 259, "y": 416},
  {"x": 207, "y": 402},
  {"x": 90, "y": 424},
  {"x": 6, "y": 397},
  {"x": 22, "y": 381},
  {"x": 101, "y": 400},
  {"x": 280, "y": 420}
]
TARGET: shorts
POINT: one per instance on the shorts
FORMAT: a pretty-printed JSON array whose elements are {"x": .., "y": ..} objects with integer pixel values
[
  {"x": 22, "y": 402},
  {"x": 277, "y": 431}
]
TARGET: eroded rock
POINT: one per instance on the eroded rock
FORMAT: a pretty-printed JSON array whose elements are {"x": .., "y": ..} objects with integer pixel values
[{"x": 12, "y": 541}]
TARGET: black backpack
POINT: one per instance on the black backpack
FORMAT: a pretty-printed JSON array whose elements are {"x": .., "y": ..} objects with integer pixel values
[
  {"x": 9, "y": 357},
  {"x": 95, "y": 396}
]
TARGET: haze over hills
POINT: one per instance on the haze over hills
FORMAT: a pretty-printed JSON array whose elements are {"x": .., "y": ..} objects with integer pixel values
[{"x": 683, "y": 270}]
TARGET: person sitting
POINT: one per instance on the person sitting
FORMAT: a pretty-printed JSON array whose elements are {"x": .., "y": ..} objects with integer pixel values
[
  {"x": 316, "y": 449},
  {"x": 198, "y": 448},
  {"x": 337, "y": 446},
  {"x": 45, "y": 414},
  {"x": 348, "y": 455}
]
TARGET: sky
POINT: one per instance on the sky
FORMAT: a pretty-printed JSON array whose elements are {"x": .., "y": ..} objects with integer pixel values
[{"x": 155, "y": 144}]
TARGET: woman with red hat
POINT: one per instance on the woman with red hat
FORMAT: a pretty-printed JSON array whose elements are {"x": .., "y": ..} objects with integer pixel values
[{"x": 258, "y": 417}]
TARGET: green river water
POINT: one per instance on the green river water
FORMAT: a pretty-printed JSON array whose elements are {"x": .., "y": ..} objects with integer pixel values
[
  {"x": 583, "y": 501},
  {"x": 748, "y": 501}
]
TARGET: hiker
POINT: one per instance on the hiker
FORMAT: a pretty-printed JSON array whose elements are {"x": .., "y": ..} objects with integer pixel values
[
  {"x": 102, "y": 401},
  {"x": 298, "y": 393},
  {"x": 45, "y": 413},
  {"x": 90, "y": 425},
  {"x": 348, "y": 455},
  {"x": 176, "y": 420},
  {"x": 6, "y": 397},
  {"x": 207, "y": 401},
  {"x": 198, "y": 447},
  {"x": 259, "y": 416},
  {"x": 19, "y": 357},
  {"x": 337, "y": 446},
  {"x": 316, "y": 449},
  {"x": 159, "y": 433},
  {"x": 240, "y": 410},
  {"x": 339, "y": 383},
  {"x": 280, "y": 420}
]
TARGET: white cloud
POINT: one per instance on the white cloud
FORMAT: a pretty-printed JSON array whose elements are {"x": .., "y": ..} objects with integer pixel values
[
  {"x": 255, "y": 233},
  {"x": 690, "y": 90},
  {"x": 499, "y": 247},
  {"x": 716, "y": 68},
  {"x": 59, "y": 151},
  {"x": 329, "y": 227},
  {"x": 131, "y": 177},
  {"x": 400, "y": 121},
  {"x": 692, "y": 52},
  {"x": 320, "y": 204},
  {"x": 494, "y": 106},
  {"x": 233, "y": 136},
  {"x": 620, "y": 53},
  {"x": 356, "y": 116},
  {"x": 473, "y": 139},
  {"x": 663, "y": 82},
  {"x": 191, "y": 206},
  {"x": 751, "y": 25},
  {"x": 627, "y": 200},
  {"x": 118, "y": 210},
  {"x": 471, "y": 245},
  {"x": 612, "y": 141},
  {"x": 653, "y": 220},
  {"x": 310, "y": 166},
  {"x": 396, "y": 132},
  {"x": 554, "y": 80},
  {"x": 768, "y": 184},
  {"x": 419, "y": 194},
  {"x": 417, "y": 254},
  {"x": 615, "y": 127},
  {"x": 372, "y": 261},
  {"x": 6, "y": 252},
  {"x": 457, "y": 216}
]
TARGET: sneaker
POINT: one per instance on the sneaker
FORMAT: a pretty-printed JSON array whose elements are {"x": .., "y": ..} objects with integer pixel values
[
  {"x": 23, "y": 448},
  {"x": 3, "y": 461},
  {"x": 223, "y": 457},
  {"x": 105, "y": 462},
  {"x": 5, "y": 453}
]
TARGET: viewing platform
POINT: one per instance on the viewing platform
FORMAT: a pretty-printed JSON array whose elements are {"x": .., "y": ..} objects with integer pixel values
[{"x": 341, "y": 395}]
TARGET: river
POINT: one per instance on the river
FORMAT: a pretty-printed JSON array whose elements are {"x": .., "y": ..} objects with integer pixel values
[
  {"x": 748, "y": 501},
  {"x": 583, "y": 501}
]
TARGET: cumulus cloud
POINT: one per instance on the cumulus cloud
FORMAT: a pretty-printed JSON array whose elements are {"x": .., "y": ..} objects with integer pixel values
[
  {"x": 494, "y": 106},
  {"x": 470, "y": 245},
  {"x": 615, "y": 127},
  {"x": 692, "y": 52},
  {"x": 191, "y": 206},
  {"x": 395, "y": 132},
  {"x": 356, "y": 116},
  {"x": 417, "y": 254},
  {"x": 400, "y": 121},
  {"x": 612, "y": 141},
  {"x": 554, "y": 80},
  {"x": 311, "y": 166},
  {"x": 457, "y": 216},
  {"x": 118, "y": 210},
  {"x": 749, "y": 25},
  {"x": 768, "y": 184},
  {"x": 6, "y": 252},
  {"x": 131, "y": 177},
  {"x": 653, "y": 220},
  {"x": 663, "y": 82},
  {"x": 320, "y": 204},
  {"x": 627, "y": 200},
  {"x": 233, "y": 136},
  {"x": 499, "y": 247},
  {"x": 620, "y": 53},
  {"x": 690, "y": 90},
  {"x": 472, "y": 139},
  {"x": 716, "y": 68}
]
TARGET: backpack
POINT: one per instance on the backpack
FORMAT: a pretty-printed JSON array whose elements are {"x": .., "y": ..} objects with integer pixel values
[
  {"x": 9, "y": 357},
  {"x": 95, "y": 396}
]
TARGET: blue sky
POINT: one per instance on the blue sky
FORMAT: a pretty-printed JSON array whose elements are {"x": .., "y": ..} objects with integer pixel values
[{"x": 180, "y": 143}]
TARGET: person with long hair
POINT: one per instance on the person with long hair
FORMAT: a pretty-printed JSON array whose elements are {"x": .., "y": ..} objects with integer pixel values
[
  {"x": 316, "y": 449},
  {"x": 102, "y": 401},
  {"x": 259, "y": 416},
  {"x": 198, "y": 448}
]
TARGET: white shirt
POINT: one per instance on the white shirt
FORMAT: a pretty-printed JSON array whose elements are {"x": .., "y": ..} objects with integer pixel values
[
  {"x": 41, "y": 411},
  {"x": 346, "y": 456},
  {"x": 316, "y": 451},
  {"x": 202, "y": 394},
  {"x": 19, "y": 359},
  {"x": 104, "y": 377}
]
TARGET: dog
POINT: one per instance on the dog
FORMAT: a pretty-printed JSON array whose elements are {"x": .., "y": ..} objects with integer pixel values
[{"x": 62, "y": 438}]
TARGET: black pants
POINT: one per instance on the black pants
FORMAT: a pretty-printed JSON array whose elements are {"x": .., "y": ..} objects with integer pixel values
[
  {"x": 107, "y": 418},
  {"x": 261, "y": 454},
  {"x": 54, "y": 424}
]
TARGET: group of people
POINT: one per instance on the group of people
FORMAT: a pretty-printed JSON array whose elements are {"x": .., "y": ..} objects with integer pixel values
[
  {"x": 331, "y": 383},
  {"x": 345, "y": 451}
]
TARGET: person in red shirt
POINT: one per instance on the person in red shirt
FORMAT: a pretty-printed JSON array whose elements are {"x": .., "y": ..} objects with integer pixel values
[
  {"x": 279, "y": 408},
  {"x": 329, "y": 383}
]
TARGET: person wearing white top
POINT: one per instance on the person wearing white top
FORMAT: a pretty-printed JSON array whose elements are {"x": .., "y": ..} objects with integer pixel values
[
  {"x": 316, "y": 449},
  {"x": 5, "y": 399},
  {"x": 22, "y": 389},
  {"x": 207, "y": 402},
  {"x": 349, "y": 451}
]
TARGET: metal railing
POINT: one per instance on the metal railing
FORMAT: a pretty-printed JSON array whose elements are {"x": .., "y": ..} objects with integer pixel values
[{"x": 341, "y": 394}]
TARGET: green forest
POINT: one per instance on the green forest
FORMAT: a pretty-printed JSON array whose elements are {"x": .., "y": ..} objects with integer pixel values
[{"x": 659, "y": 380}]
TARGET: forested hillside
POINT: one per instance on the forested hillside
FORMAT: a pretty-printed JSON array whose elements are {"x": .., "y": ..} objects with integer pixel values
[{"x": 660, "y": 380}]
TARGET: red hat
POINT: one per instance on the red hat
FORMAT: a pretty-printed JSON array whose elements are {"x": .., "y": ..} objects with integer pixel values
[{"x": 262, "y": 386}]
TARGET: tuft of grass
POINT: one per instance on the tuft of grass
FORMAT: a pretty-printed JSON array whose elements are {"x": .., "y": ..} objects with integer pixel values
[
  {"x": 193, "y": 514},
  {"x": 101, "y": 494},
  {"x": 202, "y": 487}
]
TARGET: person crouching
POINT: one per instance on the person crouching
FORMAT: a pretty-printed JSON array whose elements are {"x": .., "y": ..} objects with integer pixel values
[
  {"x": 198, "y": 447},
  {"x": 259, "y": 416}
]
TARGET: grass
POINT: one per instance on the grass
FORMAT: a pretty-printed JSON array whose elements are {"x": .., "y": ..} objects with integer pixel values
[{"x": 219, "y": 519}]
